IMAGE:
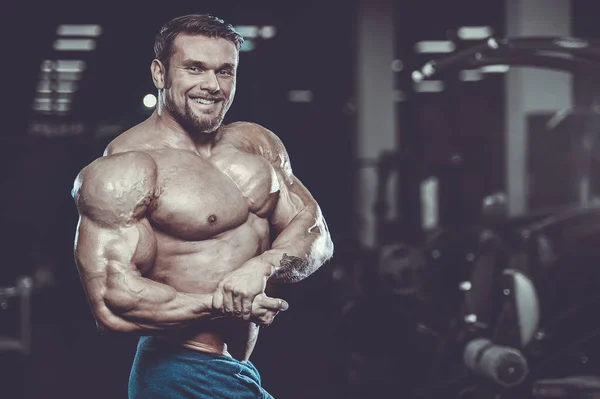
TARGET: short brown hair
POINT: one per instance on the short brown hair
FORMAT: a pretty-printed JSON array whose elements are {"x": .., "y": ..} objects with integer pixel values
[{"x": 193, "y": 24}]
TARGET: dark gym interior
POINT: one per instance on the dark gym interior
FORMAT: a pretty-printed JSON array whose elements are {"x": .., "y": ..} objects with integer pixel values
[{"x": 451, "y": 145}]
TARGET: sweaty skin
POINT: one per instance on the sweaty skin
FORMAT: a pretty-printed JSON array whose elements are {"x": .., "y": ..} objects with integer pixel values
[{"x": 163, "y": 223}]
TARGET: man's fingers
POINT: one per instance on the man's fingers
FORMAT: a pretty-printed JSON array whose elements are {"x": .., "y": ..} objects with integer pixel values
[
  {"x": 218, "y": 299},
  {"x": 276, "y": 304},
  {"x": 247, "y": 308},
  {"x": 228, "y": 303},
  {"x": 237, "y": 304}
]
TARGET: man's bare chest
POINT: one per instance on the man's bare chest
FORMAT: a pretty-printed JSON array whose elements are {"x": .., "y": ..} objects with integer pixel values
[{"x": 201, "y": 197}]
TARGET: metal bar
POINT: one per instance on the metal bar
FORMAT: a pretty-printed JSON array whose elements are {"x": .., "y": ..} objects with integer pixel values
[
  {"x": 551, "y": 53},
  {"x": 25, "y": 285}
]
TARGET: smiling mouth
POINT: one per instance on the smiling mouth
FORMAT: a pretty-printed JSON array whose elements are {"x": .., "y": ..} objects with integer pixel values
[{"x": 205, "y": 101}]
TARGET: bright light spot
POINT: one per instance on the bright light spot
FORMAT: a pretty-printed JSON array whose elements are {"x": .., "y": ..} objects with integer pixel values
[
  {"x": 435, "y": 46},
  {"x": 465, "y": 286},
  {"x": 474, "y": 32},
  {"x": 492, "y": 43},
  {"x": 429, "y": 86},
  {"x": 79, "y": 30},
  {"x": 428, "y": 69},
  {"x": 247, "y": 31},
  {"x": 268, "y": 32},
  {"x": 74, "y": 44},
  {"x": 494, "y": 68},
  {"x": 300, "y": 96},
  {"x": 397, "y": 65},
  {"x": 248, "y": 45},
  {"x": 417, "y": 76},
  {"x": 470, "y": 75},
  {"x": 471, "y": 318},
  {"x": 149, "y": 101}
]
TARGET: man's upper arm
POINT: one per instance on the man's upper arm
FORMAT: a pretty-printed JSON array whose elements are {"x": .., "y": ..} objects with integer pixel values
[{"x": 112, "y": 195}]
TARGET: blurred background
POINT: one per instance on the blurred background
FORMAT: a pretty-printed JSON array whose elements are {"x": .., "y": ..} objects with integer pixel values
[{"x": 452, "y": 146}]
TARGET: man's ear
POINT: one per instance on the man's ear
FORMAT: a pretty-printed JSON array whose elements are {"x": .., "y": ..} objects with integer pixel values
[{"x": 159, "y": 72}]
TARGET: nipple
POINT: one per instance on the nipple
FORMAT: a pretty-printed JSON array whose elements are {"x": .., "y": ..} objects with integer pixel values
[{"x": 212, "y": 219}]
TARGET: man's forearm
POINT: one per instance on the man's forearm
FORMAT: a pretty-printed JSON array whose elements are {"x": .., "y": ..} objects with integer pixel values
[
  {"x": 300, "y": 249},
  {"x": 138, "y": 304}
]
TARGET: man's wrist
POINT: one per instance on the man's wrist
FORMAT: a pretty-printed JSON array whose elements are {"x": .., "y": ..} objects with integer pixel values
[{"x": 265, "y": 264}]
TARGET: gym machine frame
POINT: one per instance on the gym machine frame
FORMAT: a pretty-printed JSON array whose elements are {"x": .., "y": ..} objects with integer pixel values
[{"x": 582, "y": 57}]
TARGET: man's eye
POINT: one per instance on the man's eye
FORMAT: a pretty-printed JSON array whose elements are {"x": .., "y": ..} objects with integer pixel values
[{"x": 226, "y": 72}]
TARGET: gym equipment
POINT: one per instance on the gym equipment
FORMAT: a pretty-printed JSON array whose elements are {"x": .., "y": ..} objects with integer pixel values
[
  {"x": 525, "y": 319},
  {"x": 22, "y": 291}
]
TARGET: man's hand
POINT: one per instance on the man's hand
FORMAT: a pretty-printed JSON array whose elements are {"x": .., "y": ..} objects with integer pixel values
[
  {"x": 235, "y": 294},
  {"x": 264, "y": 309}
]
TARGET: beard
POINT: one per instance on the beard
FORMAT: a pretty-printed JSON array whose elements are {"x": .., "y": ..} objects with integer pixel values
[{"x": 191, "y": 122}]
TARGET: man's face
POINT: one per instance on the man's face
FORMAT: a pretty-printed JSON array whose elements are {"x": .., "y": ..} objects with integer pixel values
[{"x": 200, "y": 81}]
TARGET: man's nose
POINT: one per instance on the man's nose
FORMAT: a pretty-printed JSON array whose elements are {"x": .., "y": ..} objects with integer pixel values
[{"x": 210, "y": 82}]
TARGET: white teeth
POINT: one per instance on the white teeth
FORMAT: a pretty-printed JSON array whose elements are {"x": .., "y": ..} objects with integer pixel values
[{"x": 203, "y": 101}]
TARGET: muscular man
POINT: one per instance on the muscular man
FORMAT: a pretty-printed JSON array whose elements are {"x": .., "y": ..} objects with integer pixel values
[{"x": 185, "y": 221}]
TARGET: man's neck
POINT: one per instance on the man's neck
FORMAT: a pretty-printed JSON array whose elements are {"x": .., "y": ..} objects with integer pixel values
[{"x": 177, "y": 136}]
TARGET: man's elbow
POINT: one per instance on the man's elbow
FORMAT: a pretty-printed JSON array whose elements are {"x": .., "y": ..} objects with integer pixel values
[
  {"x": 325, "y": 251},
  {"x": 107, "y": 321},
  {"x": 106, "y": 325}
]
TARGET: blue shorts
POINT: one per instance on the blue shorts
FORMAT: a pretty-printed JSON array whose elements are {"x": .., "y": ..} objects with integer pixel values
[{"x": 165, "y": 370}]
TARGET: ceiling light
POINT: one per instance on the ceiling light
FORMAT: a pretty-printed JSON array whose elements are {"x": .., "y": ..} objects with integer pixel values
[
  {"x": 39, "y": 105},
  {"x": 74, "y": 44},
  {"x": 61, "y": 107},
  {"x": 43, "y": 86},
  {"x": 435, "y": 46},
  {"x": 494, "y": 68},
  {"x": 65, "y": 86},
  {"x": 247, "y": 31},
  {"x": 268, "y": 32},
  {"x": 69, "y": 65},
  {"x": 470, "y": 75},
  {"x": 474, "y": 32},
  {"x": 429, "y": 86},
  {"x": 79, "y": 30},
  {"x": 62, "y": 66}
]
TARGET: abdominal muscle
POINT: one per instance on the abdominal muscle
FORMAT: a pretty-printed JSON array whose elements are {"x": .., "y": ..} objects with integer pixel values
[{"x": 197, "y": 267}]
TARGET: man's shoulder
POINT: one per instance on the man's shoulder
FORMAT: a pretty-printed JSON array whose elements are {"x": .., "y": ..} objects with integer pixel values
[
  {"x": 124, "y": 177},
  {"x": 252, "y": 135},
  {"x": 128, "y": 141},
  {"x": 119, "y": 167}
]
